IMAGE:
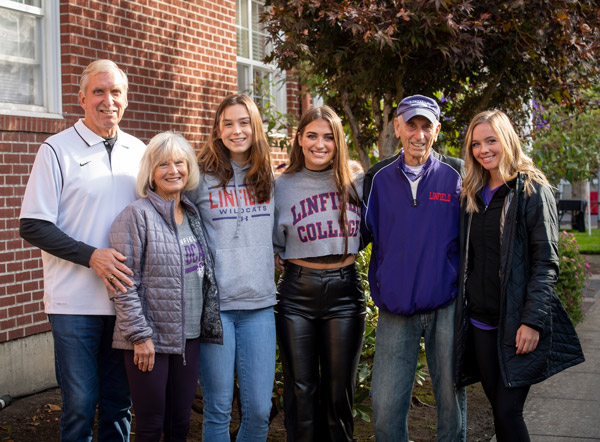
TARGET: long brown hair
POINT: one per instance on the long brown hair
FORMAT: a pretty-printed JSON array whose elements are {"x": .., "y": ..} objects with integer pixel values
[
  {"x": 342, "y": 171},
  {"x": 213, "y": 158},
  {"x": 514, "y": 160}
]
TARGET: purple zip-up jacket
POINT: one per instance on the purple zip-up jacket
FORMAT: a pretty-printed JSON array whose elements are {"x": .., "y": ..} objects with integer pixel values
[{"x": 415, "y": 257}]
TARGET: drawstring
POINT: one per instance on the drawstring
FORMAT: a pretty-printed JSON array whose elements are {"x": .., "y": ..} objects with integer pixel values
[{"x": 239, "y": 208}]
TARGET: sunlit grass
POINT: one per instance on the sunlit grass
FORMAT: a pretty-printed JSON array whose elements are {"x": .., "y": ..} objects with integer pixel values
[{"x": 588, "y": 244}]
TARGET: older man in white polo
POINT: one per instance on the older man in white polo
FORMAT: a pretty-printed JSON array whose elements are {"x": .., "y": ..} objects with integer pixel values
[{"x": 81, "y": 179}]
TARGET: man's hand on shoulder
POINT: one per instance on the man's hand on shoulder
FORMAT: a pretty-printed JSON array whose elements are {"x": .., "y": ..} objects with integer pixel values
[{"x": 108, "y": 265}]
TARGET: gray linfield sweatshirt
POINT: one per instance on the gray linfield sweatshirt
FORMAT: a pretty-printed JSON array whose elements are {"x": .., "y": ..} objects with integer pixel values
[
  {"x": 306, "y": 215},
  {"x": 239, "y": 235}
]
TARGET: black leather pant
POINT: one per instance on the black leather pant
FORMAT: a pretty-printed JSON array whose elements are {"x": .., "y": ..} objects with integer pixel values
[{"x": 320, "y": 319}]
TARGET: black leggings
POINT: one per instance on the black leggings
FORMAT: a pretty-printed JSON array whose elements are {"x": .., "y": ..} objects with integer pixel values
[
  {"x": 507, "y": 403},
  {"x": 163, "y": 398},
  {"x": 320, "y": 321}
]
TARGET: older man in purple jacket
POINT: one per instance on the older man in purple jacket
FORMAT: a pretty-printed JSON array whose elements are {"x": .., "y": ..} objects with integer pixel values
[{"x": 411, "y": 214}]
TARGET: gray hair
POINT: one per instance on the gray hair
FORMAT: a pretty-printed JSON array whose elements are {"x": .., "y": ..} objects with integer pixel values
[
  {"x": 97, "y": 67},
  {"x": 162, "y": 147}
]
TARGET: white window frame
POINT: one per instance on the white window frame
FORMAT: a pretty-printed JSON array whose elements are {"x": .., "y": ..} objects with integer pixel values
[
  {"x": 277, "y": 81},
  {"x": 48, "y": 44}
]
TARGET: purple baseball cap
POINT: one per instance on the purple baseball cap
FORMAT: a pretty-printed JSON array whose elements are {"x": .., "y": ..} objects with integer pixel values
[{"x": 419, "y": 105}]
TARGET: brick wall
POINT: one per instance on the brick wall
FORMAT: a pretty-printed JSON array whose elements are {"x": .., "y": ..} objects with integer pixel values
[
  {"x": 179, "y": 57},
  {"x": 21, "y": 308},
  {"x": 180, "y": 60}
]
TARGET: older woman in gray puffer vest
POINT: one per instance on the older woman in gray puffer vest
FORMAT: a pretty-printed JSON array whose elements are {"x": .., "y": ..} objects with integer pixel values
[{"x": 173, "y": 304}]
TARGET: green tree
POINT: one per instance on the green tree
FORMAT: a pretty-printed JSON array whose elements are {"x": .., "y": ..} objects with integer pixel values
[
  {"x": 364, "y": 56},
  {"x": 566, "y": 141}
]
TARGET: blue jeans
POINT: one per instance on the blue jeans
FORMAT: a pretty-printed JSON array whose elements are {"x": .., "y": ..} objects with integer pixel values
[
  {"x": 249, "y": 350},
  {"x": 396, "y": 356},
  {"x": 90, "y": 373}
]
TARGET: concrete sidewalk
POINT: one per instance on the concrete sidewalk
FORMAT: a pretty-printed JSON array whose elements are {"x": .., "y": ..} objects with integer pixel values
[{"x": 566, "y": 407}]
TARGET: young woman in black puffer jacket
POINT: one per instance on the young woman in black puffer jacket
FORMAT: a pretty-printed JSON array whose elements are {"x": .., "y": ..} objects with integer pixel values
[{"x": 511, "y": 329}]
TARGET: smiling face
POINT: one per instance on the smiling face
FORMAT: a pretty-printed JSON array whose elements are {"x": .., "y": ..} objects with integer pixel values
[
  {"x": 487, "y": 149},
  {"x": 235, "y": 130},
  {"x": 417, "y": 136},
  {"x": 170, "y": 178},
  {"x": 104, "y": 102},
  {"x": 318, "y": 145}
]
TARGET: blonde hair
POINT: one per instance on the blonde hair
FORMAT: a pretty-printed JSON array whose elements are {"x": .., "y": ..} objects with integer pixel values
[
  {"x": 213, "y": 157},
  {"x": 343, "y": 168},
  {"x": 161, "y": 148},
  {"x": 514, "y": 160},
  {"x": 98, "y": 67}
]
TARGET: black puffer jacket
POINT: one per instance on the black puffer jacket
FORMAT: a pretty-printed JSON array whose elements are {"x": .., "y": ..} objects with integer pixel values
[{"x": 529, "y": 270}]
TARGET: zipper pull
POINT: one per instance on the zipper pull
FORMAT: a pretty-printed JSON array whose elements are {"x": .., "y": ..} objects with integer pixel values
[{"x": 414, "y": 202}]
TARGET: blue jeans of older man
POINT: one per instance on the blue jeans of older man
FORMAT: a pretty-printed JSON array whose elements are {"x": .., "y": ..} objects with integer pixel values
[
  {"x": 394, "y": 367},
  {"x": 90, "y": 374}
]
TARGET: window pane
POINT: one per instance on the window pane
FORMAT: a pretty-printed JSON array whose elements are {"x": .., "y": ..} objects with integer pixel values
[
  {"x": 243, "y": 77},
  {"x": 241, "y": 17},
  {"x": 258, "y": 36},
  {"x": 243, "y": 46},
  {"x": 20, "y": 71},
  {"x": 17, "y": 33},
  {"x": 255, "y": 77},
  {"x": 36, "y": 3},
  {"x": 242, "y": 31},
  {"x": 257, "y": 12},
  {"x": 19, "y": 83},
  {"x": 258, "y": 46},
  {"x": 262, "y": 88}
]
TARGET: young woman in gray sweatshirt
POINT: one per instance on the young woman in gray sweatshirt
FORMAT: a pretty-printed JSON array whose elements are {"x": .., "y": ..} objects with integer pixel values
[
  {"x": 320, "y": 314},
  {"x": 235, "y": 200}
]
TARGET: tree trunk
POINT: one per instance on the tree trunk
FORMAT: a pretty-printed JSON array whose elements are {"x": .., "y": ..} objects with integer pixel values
[
  {"x": 387, "y": 142},
  {"x": 363, "y": 155}
]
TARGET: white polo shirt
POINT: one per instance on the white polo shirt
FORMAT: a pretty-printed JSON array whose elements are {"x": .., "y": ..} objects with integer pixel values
[{"x": 75, "y": 186}]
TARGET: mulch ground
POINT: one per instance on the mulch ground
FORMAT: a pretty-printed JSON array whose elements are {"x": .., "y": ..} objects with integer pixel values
[{"x": 36, "y": 419}]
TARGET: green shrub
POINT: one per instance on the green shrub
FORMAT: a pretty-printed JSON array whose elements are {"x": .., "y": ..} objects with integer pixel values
[
  {"x": 572, "y": 276},
  {"x": 365, "y": 366}
]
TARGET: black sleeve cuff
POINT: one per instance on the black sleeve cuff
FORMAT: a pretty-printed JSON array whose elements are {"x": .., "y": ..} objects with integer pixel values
[
  {"x": 84, "y": 254},
  {"x": 535, "y": 327}
]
